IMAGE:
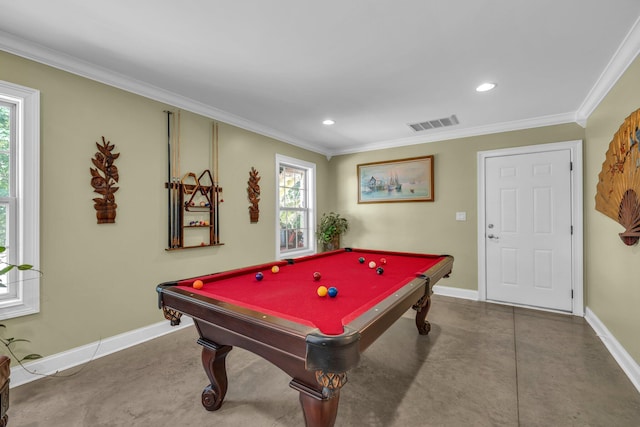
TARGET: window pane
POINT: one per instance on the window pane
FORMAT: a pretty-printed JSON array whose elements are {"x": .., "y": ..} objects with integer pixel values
[
  {"x": 3, "y": 224},
  {"x": 5, "y": 138},
  {"x": 3, "y": 242},
  {"x": 292, "y": 192}
]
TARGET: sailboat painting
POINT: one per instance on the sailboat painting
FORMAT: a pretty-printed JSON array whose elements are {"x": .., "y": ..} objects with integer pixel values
[{"x": 403, "y": 180}]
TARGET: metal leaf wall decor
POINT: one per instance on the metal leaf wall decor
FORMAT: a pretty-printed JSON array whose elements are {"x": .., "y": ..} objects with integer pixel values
[
  {"x": 618, "y": 189},
  {"x": 253, "y": 193}
]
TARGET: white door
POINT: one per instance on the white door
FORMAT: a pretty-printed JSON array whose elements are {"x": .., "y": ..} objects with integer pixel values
[{"x": 528, "y": 229}]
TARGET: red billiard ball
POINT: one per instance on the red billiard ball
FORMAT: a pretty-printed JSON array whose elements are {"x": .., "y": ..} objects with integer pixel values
[
  {"x": 316, "y": 276},
  {"x": 383, "y": 261}
]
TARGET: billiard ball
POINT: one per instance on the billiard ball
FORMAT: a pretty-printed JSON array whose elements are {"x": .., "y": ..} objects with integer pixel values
[
  {"x": 361, "y": 260},
  {"x": 383, "y": 261},
  {"x": 332, "y": 292},
  {"x": 259, "y": 276},
  {"x": 372, "y": 264},
  {"x": 379, "y": 270},
  {"x": 322, "y": 291},
  {"x": 275, "y": 269},
  {"x": 316, "y": 276},
  {"x": 197, "y": 284},
  {"x": 202, "y": 203}
]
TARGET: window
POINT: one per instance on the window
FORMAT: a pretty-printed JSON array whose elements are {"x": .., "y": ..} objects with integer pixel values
[
  {"x": 295, "y": 207},
  {"x": 19, "y": 197}
]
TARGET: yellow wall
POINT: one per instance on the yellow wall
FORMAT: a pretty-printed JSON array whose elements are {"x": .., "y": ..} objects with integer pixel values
[
  {"x": 99, "y": 280},
  {"x": 612, "y": 269},
  {"x": 431, "y": 226}
]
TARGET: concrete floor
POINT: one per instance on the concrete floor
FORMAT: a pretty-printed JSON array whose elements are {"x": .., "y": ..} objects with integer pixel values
[{"x": 481, "y": 365}]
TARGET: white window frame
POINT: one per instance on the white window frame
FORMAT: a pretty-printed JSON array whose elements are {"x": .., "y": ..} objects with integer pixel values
[
  {"x": 24, "y": 218},
  {"x": 311, "y": 206}
]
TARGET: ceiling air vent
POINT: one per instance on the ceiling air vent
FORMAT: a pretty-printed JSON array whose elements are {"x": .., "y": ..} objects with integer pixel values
[{"x": 433, "y": 124}]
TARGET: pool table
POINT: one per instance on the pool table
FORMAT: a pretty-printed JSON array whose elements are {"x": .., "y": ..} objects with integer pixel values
[{"x": 282, "y": 318}]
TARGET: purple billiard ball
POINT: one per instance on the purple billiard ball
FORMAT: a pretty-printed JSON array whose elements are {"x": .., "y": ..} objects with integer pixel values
[
  {"x": 379, "y": 270},
  {"x": 259, "y": 276},
  {"x": 332, "y": 292}
]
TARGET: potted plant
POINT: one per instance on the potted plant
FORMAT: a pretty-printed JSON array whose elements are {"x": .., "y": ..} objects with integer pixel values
[
  {"x": 5, "y": 360},
  {"x": 330, "y": 228}
]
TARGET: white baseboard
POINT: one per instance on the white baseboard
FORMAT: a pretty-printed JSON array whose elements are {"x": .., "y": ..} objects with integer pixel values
[
  {"x": 455, "y": 292},
  {"x": 77, "y": 356},
  {"x": 624, "y": 359}
]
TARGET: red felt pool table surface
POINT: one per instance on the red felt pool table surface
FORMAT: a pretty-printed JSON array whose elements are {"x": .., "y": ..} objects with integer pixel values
[{"x": 292, "y": 292}]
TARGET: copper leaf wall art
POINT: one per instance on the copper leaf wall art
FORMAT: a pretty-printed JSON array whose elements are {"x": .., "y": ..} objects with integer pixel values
[
  {"x": 103, "y": 179},
  {"x": 618, "y": 189}
]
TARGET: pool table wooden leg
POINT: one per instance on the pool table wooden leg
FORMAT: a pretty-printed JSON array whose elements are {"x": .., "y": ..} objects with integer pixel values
[
  {"x": 422, "y": 307},
  {"x": 320, "y": 408},
  {"x": 214, "y": 362}
]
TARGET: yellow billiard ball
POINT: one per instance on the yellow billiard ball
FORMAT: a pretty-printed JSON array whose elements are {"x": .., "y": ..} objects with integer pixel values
[{"x": 322, "y": 291}]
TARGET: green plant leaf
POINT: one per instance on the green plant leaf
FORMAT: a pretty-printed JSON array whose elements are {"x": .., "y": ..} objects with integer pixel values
[
  {"x": 6, "y": 269},
  {"x": 2, "y": 249},
  {"x": 25, "y": 267},
  {"x": 32, "y": 356}
]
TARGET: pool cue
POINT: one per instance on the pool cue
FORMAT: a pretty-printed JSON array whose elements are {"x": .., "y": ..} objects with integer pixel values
[
  {"x": 215, "y": 186},
  {"x": 177, "y": 233},
  {"x": 169, "y": 183}
]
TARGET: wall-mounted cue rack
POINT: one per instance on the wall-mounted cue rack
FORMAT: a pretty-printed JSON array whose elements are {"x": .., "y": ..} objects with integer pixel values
[{"x": 193, "y": 202}]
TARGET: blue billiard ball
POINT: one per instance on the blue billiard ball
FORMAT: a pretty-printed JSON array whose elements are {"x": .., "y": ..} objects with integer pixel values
[
  {"x": 259, "y": 276},
  {"x": 361, "y": 260},
  {"x": 333, "y": 292},
  {"x": 379, "y": 270}
]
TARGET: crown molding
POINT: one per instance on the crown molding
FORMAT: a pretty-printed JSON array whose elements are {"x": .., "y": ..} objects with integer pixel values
[
  {"x": 623, "y": 57},
  {"x": 61, "y": 61},
  {"x": 449, "y": 134},
  {"x": 620, "y": 61}
]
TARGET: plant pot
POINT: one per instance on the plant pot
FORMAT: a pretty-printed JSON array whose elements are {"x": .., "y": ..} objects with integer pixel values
[
  {"x": 332, "y": 245},
  {"x": 5, "y": 373},
  {"x": 106, "y": 214}
]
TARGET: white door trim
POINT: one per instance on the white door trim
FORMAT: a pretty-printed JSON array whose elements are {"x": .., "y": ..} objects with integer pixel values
[{"x": 575, "y": 147}]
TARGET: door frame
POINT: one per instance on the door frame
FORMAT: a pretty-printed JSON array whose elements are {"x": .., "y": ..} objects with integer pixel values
[{"x": 577, "y": 248}]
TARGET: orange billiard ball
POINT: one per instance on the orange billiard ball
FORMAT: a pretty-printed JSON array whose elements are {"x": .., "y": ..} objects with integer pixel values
[
  {"x": 275, "y": 269},
  {"x": 197, "y": 284}
]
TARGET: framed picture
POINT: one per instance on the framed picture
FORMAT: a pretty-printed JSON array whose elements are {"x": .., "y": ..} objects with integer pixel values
[{"x": 404, "y": 180}]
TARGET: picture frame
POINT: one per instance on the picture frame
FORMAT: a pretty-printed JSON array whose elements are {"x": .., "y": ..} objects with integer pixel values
[{"x": 392, "y": 181}]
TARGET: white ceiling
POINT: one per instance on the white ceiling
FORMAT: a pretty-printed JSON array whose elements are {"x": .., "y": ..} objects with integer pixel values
[{"x": 279, "y": 67}]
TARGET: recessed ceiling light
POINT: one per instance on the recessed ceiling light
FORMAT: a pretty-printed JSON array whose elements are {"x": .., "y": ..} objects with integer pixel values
[
  {"x": 328, "y": 122},
  {"x": 484, "y": 87}
]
